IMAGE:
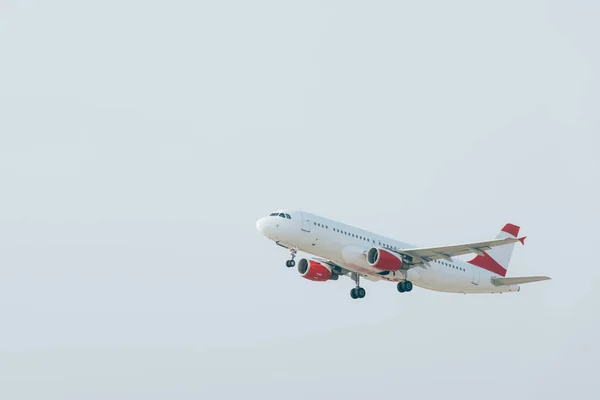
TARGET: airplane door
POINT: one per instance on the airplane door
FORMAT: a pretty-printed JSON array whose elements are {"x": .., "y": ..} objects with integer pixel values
[
  {"x": 305, "y": 223},
  {"x": 475, "y": 280}
]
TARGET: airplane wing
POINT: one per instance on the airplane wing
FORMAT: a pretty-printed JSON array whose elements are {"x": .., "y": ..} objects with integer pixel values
[
  {"x": 421, "y": 256},
  {"x": 518, "y": 281}
]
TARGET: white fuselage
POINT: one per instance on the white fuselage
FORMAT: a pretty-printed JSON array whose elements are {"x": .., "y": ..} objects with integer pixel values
[{"x": 345, "y": 246}]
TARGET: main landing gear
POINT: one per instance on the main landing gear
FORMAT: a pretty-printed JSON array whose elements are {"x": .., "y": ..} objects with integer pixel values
[
  {"x": 357, "y": 292},
  {"x": 405, "y": 286},
  {"x": 291, "y": 263}
]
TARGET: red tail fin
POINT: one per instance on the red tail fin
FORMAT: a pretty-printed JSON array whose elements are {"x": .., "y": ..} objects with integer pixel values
[{"x": 496, "y": 259}]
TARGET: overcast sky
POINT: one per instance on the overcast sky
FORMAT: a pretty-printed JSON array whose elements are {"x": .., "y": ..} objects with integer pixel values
[{"x": 141, "y": 140}]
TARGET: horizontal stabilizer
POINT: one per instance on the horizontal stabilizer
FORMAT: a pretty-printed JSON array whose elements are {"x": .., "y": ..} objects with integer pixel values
[{"x": 518, "y": 280}]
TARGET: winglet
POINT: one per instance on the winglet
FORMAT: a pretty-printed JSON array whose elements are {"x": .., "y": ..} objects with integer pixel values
[{"x": 522, "y": 240}]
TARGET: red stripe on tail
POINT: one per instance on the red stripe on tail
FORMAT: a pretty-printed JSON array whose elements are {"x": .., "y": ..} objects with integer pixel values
[
  {"x": 488, "y": 263},
  {"x": 511, "y": 229}
]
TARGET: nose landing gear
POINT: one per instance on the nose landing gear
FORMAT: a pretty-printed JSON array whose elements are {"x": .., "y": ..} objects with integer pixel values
[
  {"x": 405, "y": 286},
  {"x": 291, "y": 263},
  {"x": 357, "y": 292}
]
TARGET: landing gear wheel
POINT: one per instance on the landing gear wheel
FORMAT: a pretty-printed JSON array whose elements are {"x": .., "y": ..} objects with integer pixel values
[
  {"x": 357, "y": 292},
  {"x": 291, "y": 263},
  {"x": 408, "y": 286},
  {"x": 401, "y": 288}
]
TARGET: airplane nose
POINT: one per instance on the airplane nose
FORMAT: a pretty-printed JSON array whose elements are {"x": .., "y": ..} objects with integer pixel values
[{"x": 260, "y": 225}]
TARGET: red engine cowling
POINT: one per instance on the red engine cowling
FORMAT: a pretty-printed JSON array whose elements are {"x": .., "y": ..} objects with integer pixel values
[
  {"x": 384, "y": 260},
  {"x": 313, "y": 270}
]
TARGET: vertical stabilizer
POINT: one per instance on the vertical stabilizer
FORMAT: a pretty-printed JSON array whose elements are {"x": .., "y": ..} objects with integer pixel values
[{"x": 497, "y": 259}]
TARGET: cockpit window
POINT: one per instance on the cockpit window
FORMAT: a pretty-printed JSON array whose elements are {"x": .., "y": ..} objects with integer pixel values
[
  {"x": 282, "y": 215},
  {"x": 273, "y": 214},
  {"x": 288, "y": 216}
]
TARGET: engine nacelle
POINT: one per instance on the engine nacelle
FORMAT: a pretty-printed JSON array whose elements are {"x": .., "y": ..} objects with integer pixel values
[
  {"x": 314, "y": 270},
  {"x": 384, "y": 260}
]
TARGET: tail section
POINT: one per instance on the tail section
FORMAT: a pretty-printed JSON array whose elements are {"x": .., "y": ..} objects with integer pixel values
[
  {"x": 518, "y": 280},
  {"x": 497, "y": 259}
]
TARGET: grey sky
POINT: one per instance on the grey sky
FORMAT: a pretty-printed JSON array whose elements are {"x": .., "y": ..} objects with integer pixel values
[{"x": 140, "y": 141}]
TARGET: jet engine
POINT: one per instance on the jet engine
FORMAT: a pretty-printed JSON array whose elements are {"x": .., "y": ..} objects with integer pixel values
[
  {"x": 384, "y": 260},
  {"x": 314, "y": 270}
]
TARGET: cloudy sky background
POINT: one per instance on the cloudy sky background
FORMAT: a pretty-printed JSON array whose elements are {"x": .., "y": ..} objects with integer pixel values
[{"x": 140, "y": 141}]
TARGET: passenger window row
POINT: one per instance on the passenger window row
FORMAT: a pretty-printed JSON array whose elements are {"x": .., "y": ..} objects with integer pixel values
[
  {"x": 385, "y": 245},
  {"x": 352, "y": 235},
  {"x": 451, "y": 265}
]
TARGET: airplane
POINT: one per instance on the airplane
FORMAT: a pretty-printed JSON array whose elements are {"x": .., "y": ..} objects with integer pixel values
[{"x": 339, "y": 249}]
